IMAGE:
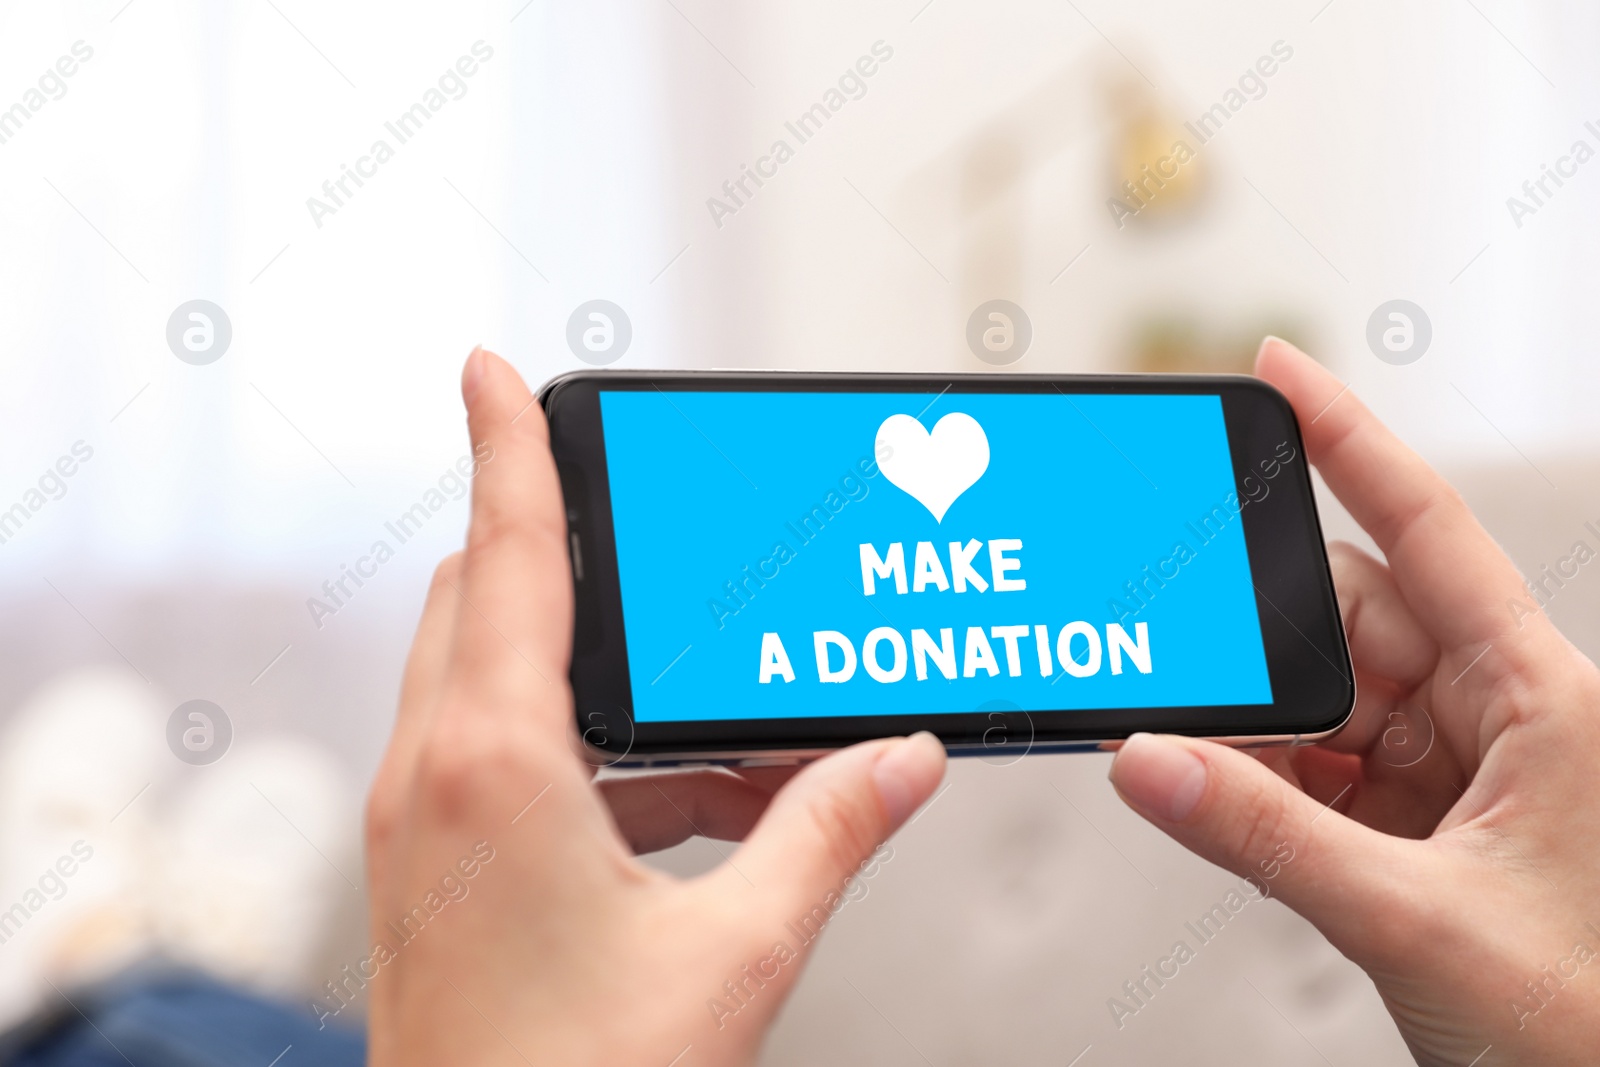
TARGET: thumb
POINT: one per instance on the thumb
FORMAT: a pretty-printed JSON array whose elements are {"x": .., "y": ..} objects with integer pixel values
[
  {"x": 825, "y": 823},
  {"x": 1229, "y": 808}
]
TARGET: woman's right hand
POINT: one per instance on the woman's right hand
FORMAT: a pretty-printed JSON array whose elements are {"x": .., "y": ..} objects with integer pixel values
[{"x": 1467, "y": 882}]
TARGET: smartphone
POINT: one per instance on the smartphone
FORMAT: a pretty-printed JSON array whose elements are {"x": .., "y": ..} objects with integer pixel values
[{"x": 771, "y": 565}]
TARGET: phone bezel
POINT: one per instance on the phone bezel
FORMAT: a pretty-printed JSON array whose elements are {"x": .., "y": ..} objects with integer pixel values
[{"x": 1302, "y": 631}]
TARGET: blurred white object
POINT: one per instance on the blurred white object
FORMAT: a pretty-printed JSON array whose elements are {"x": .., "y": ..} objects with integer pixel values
[
  {"x": 77, "y": 766},
  {"x": 260, "y": 855},
  {"x": 239, "y": 874}
]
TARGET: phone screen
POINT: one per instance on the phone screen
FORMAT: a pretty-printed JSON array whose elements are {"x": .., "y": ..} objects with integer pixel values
[{"x": 789, "y": 555}]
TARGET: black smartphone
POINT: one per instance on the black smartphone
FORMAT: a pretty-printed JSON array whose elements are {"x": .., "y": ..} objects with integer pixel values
[{"x": 770, "y": 565}]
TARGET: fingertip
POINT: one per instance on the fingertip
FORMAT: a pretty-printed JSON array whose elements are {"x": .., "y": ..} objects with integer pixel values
[
  {"x": 1159, "y": 776},
  {"x": 472, "y": 375},
  {"x": 1268, "y": 343},
  {"x": 480, "y": 362},
  {"x": 1309, "y": 386},
  {"x": 496, "y": 396},
  {"x": 906, "y": 773},
  {"x": 1277, "y": 359}
]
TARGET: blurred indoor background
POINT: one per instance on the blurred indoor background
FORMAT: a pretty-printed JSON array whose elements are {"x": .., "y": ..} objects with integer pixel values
[{"x": 978, "y": 161}]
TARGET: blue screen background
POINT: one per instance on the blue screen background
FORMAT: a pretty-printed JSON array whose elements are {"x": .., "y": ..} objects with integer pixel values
[{"x": 1097, "y": 487}]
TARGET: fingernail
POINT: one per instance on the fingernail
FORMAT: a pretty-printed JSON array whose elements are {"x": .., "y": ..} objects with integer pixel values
[
  {"x": 1160, "y": 776},
  {"x": 1268, "y": 341},
  {"x": 906, "y": 773},
  {"x": 472, "y": 374},
  {"x": 1274, "y": 339}
]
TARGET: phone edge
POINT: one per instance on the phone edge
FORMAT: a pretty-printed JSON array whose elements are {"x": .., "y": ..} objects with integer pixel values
[{"x": 785, "y": 757}]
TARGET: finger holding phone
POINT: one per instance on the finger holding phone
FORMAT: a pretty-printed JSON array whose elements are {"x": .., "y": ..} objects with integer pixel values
[{"x": 1465, "y": 882}]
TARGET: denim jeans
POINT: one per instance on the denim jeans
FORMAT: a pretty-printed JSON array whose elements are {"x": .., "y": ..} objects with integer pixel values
[{"x": 163, "y": 1018}]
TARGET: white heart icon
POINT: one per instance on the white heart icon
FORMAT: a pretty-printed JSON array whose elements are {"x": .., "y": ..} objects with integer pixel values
[{"x": 935, "y": 468}]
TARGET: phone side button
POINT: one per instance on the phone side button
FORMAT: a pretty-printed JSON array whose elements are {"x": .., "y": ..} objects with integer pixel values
[{"x": 577, "y": 556}]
